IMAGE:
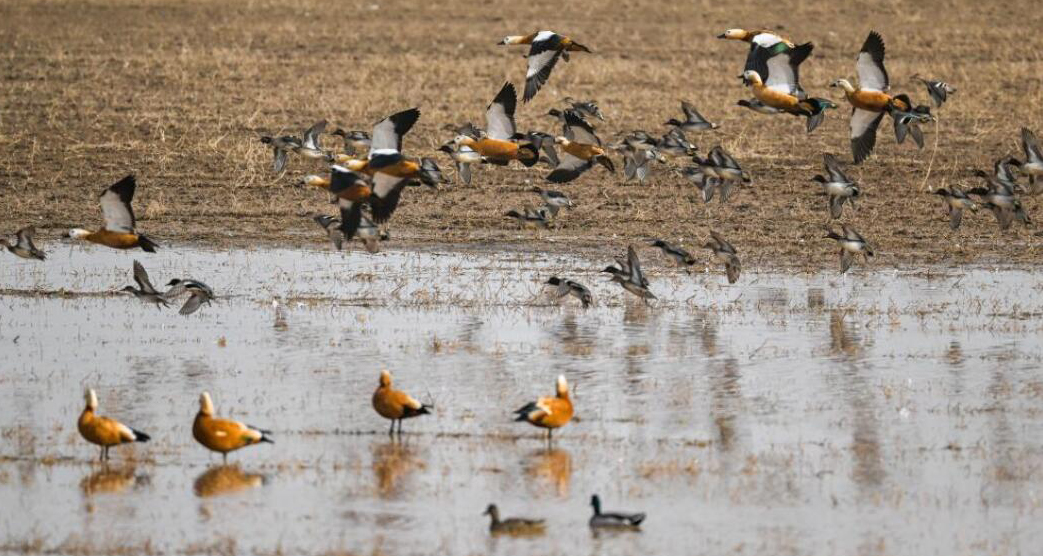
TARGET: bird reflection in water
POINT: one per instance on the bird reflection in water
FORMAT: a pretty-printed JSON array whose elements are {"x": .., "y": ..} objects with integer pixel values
[
  {"x": 552, "y": 468},
  {"x": 226, "y": 479},
  {"x": 111, "y": 480},
  {"x": 393, "y": 461}
]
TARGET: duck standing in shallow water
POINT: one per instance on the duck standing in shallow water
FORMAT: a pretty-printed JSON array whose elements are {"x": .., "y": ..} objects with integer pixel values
[
  {"x": 23, "y": 246},
  {"x": 544, "y": 50},
  {"x": 548, "y": 412},
  {"x": 396, "y": 405},
  {"x": 224, "y": 435},
  {"x": 118, "y": 232},
  {"x": 612, "y": 520},
  {"x": 103, "y": 431}
]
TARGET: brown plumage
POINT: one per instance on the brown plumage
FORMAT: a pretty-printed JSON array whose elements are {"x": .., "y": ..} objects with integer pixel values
[
  {"x": 223, "y": 435},
  {"x": 396, "y": 405},
  {"x": 103, "y": 431},
  {"x": 548, "y": 412}
]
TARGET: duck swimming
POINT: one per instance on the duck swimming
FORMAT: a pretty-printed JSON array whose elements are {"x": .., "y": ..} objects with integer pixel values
[{"x": 612, "y": 520}]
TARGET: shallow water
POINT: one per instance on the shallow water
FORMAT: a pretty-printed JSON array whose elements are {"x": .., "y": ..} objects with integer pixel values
[{"x": 881, "y": 413}]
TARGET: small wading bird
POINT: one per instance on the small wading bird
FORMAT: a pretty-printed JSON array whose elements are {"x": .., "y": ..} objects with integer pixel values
[
  {"x": 23, "y": 246},
  {"x": 224, "y": 435},
  {"x": 396, "y": 405},
  {"x": 145, "y": 290},
  {"x": 544, "y": 50},
  {"x": 512, "y": 525},
  {"x": 612, "y": 520},
  {"x": 851, "y": 244},
  {"x": 118, "y": 232},
  {"x": 564, "y": 287},
  {"x": 103, "y": 431},
  {"x": 837, "y": 186},
  {"x": 548, "y": 412}
]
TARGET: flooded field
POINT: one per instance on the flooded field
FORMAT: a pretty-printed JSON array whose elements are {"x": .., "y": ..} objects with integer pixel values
[{"x": 882, "y": 413}]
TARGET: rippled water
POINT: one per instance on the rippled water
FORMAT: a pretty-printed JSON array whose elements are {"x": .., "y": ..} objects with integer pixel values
[{"x": 881, "y": 413}]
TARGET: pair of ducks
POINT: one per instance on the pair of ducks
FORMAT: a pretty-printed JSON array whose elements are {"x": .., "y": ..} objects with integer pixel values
[
  {"x": 215, "y": 434},
  {"x": 198, "y": 292},
  {"x": 549, "y": 412},
  {"x": 723, "y": 251},
  {"x": 527, "y": 526},
  {"x": 553, "y": 202}
]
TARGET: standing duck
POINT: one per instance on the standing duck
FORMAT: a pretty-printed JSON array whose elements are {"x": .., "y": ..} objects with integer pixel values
[
  {"x": 145, "y": 290},
  {"x": 725, "y": 252},
  {"x": 396, "y": 405},
  {"x": 223, "y": 435},
  {"x": 612, "y": 520},
  {"x": 103, "y": 431},
  {"x": 837, "y": 186},
  {"x": 544, "y": 50},
  {"x": 23, "y": 246},
  {"x": 548, "y": 412},
  {"x": 851, "y": 244},
  {"x": 118, "y": 232}
]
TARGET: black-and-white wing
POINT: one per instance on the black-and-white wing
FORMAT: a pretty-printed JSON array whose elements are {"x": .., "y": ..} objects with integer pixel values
[
  {"x": 872, "y": 76},
  {"x": 499, "y": 116},
  {"x": 115, "y": 205}
]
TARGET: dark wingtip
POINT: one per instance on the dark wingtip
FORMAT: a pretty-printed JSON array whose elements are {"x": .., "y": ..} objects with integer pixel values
[{"x": 140, "y": 436}]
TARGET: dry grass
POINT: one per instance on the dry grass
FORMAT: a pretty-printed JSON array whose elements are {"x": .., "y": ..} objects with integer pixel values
[{"x": 177, "y": 92}]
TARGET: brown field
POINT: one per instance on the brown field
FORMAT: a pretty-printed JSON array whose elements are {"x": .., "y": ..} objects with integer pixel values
[{"x": 178, "y": 92}]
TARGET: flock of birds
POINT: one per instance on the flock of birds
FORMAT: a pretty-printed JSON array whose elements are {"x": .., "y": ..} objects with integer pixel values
[
  {"x": 367, "y": 180},
  {"x": 226, "y": 435}
]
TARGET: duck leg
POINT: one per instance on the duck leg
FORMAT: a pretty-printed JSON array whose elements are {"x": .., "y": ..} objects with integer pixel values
[{"x": 391, "y": 431}]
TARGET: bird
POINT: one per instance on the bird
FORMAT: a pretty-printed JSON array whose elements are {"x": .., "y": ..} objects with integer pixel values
[
  {"x": 585, "y": 107},
  {"x": 499, "y": 145},
  {"x": 281, "y": 147},
  {"x": 781, "y": 90},
  {"x": 725, "y": 252},
  {"x": 612, "y": 520},
  {"x": 707, "y": 185},
  {"x": 956, "y": 201},
  {"x": 145, "y": 290},
  {"x": 332, "y": 227},
  {"x": 198, "y": 294},
  {"x": 512, "y": 525},
  {"x": 548, "y": 412},
  {"x": 637, "y": 163},
  {"x": 224, "y": 435},
  {"x": 693, "y": 120},
  {"x": 723, "y": 167},
  {"x": 581, "y": 150},
  {"x": 369, "y": 234},
  {"x": 310, "y": 147},
  {"x": 396, "y": 405},
  {"x": 103, "y": 431},
  {"x": 630, "y": 277},
  {"x": 118, "y": 232},
  {"x": 871, "y": 100},
  {"x": 764, "y": 45},
  {"x": 758, "y": 106},
  {"x": 544, "y": 50},
  {"x": 679, "y": 256},
  {"x": 553, "y": 200},
  {"x": 529, "y": 218},
  {"x": 355, "y": 142},
  {"x": 1000, "y": 196},
  {"x": 564, "y": 287},
  {"x": 463, "y": 156},
  {"x": 838, "y": 187},
  {"x": 939, "y": 91},
  {"x": 674, "y": 143},
  {"x": 1032, "y": 166},
  {"x": 851, "y": 244},
  {"x": 23, "y": 245}
]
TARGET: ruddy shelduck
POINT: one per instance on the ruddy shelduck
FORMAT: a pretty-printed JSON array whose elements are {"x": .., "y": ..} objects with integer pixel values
[
  {"x": 499, "y": 144},
  {"x": 544, "y": 50},
  {"x": 396, "y": 405},
  {"x": 224, "y": 435},
  {"x": 581, "y": 150},
  {"x": 103, "y": 431},
  {"x": 548, "y": 412},
  {"x": 118, "y": 232}
]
